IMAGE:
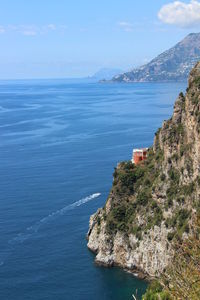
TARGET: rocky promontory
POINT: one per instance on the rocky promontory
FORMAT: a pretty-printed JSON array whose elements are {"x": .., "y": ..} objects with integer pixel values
[{"x": 152, "y": 205}]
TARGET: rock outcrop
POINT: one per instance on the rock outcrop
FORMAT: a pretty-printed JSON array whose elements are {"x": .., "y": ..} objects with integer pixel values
[{"x": 153, "y": 204}]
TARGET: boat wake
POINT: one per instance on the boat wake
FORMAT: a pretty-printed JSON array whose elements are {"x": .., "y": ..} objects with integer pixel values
[{"x": 21, "y": 237}]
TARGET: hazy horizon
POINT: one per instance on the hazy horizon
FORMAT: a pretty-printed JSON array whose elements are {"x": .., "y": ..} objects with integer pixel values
[{"x": 46, "y": 40}]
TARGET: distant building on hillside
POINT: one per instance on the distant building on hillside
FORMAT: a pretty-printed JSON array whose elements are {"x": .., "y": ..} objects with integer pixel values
[{"x": 139, "y": 155}]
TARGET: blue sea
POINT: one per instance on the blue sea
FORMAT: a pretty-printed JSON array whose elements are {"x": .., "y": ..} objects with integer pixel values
[{"x": 59, "y": 143}]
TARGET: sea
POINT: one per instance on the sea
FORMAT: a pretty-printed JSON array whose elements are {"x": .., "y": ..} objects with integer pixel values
[{"x": 60, "y": 141}]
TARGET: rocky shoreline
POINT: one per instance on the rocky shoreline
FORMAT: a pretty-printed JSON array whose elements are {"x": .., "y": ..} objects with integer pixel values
[{"x": 118, "y": 251}]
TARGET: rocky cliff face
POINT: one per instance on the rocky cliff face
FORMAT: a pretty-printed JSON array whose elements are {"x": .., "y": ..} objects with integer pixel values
[
  {"x": 173, "y": 64},
  {"x": 153, "y": 204}
]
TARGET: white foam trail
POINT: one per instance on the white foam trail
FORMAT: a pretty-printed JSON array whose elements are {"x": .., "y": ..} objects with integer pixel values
[
  {"x": 21, "y": 237},
  {"x": 62, "y": 211}
]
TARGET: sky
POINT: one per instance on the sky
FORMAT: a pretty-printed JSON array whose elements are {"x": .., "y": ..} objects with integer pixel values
[{"x": 69, "y": 39}]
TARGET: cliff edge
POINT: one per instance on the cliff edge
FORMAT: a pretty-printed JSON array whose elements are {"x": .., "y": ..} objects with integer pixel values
[{"x": 153, "y": 204}]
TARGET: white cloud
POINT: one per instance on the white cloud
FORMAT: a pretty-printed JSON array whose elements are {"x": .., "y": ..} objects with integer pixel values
[
  {"x": 33, "y": 30},
  {"x": 180, "y": 13},
  {"x": 29, "y": 32},
  {"x": 48, "y": 28},
  {"x": 2, "y": 30},
  {"x": 126, "y": 26},
  {"x": 51, "y": 26}
]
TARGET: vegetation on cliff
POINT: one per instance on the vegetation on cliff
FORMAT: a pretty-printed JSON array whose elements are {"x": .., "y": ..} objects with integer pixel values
[
  {"x": 152, "y": 206},
  {"x": 135, "y": 184},
  {"x": 135, "y": 187},
  {"x": 182, "y": 278}
]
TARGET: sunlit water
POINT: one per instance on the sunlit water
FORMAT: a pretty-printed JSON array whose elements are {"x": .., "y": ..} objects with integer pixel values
[{"x": 59, "y": 143}]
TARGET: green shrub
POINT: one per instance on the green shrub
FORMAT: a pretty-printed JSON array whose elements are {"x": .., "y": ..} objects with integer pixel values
[
  {"x": 158, "y": 216},
  {"x": 171, "y": 222},
  {"x": 136, "y": 230},
  {"x": 182, "y": 216},
  {"x": 168, "y": 203},
  {"x": 186, "y": 228},
  {"x": 127, "y": 179},
  {"x": 154, "y": 205},
  {"x": 162, "y": 177},
  {"x": 175, "y": 157},
  {"x": 122, "y": 226},
  {"x": 159, "y": 155},
  {"x": 179, "y": 221},
  {"x": 182, "y": 150},
  {"x": 110, "y": 225},
  {"x": 156, "y": 292},
  {"x": 143, "y": 197},
  {"x": 188, "y": 189},
  {"x": 119, "y": 213},
  {"x": 170, "y": 236},
  {"x": 195, "y": 100},
  {"x": 139, "y": 172},
  {"x": 197, "y": 80},
  {"x": 180, "y": 129},
  {"x": 147, "y": 182},
  {"x": 98, "y": 221},
  {"x": 174, "y": 175},
  {"x": 172, "y": 192}
]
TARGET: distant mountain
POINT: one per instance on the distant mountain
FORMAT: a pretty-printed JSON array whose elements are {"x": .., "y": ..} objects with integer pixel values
[
  {"x": 106, "y": 74},
  {"x": 172, "y": 65}
]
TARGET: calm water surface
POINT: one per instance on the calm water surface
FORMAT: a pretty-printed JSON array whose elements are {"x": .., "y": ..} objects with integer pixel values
[{"x": 59, "y": 143}]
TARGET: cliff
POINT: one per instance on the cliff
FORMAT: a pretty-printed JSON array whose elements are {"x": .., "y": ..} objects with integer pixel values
[
  {"x": 153, "y": 204},
  {"x": 172, "y": 65}
]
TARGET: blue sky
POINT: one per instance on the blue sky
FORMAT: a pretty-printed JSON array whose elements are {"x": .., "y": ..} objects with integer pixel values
[{"x": 63, "y": 38}]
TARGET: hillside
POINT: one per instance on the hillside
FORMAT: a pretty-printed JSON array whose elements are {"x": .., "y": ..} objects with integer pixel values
[
  {"x": 172, "y": 65},
  {"x": 152, "y": 205},
  {"x": 106, "y": 74}
]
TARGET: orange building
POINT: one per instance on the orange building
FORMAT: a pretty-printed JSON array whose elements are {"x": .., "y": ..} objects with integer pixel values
[{"x": 139, "y": 155}]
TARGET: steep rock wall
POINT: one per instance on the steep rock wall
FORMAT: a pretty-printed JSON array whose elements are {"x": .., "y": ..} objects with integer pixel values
[{"x": 152, "y": 205}]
